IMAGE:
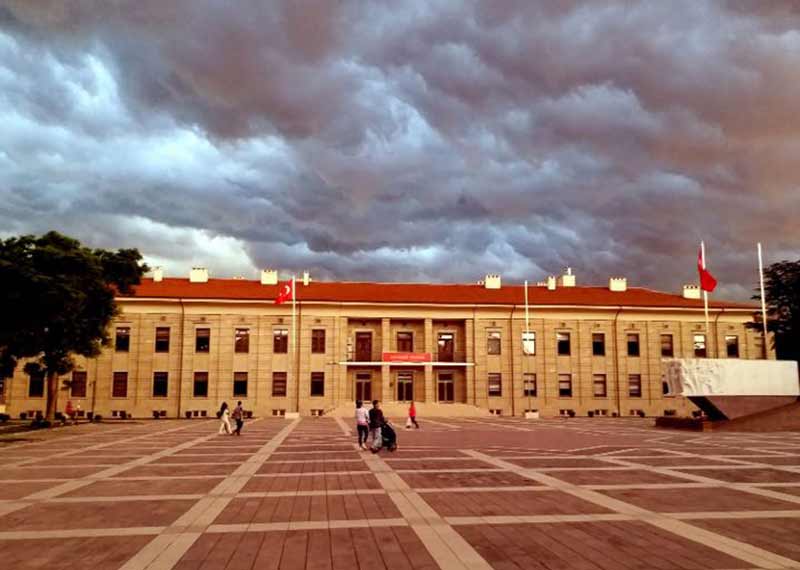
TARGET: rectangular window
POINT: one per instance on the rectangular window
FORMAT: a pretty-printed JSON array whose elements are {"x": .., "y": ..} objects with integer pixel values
[
  {"x": 562, "y": 341},
  {"x": 201, "y": 384},
  {"x": 634, "y": 386},
  {"x": 318, "y": 341},
  {"x": 529, "y": 385},
  {"x": 317, "y": 383},
  {"x": 78, "y": 385},
  {"x": 119, "y": 386},
  {"x": 495, "y": 385},
  {"x": 162, "y": 339},
  {"x": 122, "y": 342},
  {"x": 278, "y": 384},
  {"x": 667, "y": 351},
  {"x": 564, "y": 385},
  {"x": 241, "y": 340},
  {"x": 36, "y": 385},
  {"x": 699, "y": 342},
  {"x": 202, "y": 341},
  {"x": 529, "y": 343},
  {"x": 280, "y": 341},
  {"x": 240, "y": 384},
  {"x": 732, "y": 345},
  {"x": 598, "y": 344},
  {"x": 633, "y": 344},
  {"x": 160, "y": 384},
  {"x": 599, "y": 383},
  {"x": 405, "y": 342},
  {"x": 493, "y": 342}
]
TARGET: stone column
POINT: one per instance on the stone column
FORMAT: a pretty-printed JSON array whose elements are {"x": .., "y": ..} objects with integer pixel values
[{"x": 430, "y": 348}]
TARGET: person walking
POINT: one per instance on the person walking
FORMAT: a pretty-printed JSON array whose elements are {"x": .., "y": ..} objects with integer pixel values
[
  {"x": 238, "y": 417},
  {"x": 376, "y": 423},
  {"x": 412, "y": 414},
  {"x": 362, "y": 424},
  {"x": 224, "y": 416},
  {"x": 70, "y": 412}
]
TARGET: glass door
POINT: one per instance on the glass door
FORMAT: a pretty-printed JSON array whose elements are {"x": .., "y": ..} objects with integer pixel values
[
  {"x": 405, "y": 386},
  {"x": 364, "y": 386},
  {"x": 445, "y": 387}
]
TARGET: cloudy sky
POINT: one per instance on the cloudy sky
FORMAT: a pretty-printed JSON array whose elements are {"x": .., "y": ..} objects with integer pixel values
[{"x": 415, "y": 141}]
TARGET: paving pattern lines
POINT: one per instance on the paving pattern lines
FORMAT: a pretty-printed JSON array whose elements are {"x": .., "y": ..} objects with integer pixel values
[
  {"x": 443, "y": 543},
  {"x": 62, "y": 443},
  {"x": 688, "y": 475},
  {"x": 64, "y": 487},
  {"x": 734, "y": 548},
  {"x": 166, "y": 549}
]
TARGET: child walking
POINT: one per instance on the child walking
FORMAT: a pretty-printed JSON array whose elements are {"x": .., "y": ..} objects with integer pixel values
[
  {"x": 412, "y": 415},
  {"x": 362, "y": 424}
]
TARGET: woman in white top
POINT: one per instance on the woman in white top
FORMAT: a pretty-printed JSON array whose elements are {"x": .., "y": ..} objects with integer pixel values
[
  {"x": 224, "y": 419},
  {"x": 362, "y": 424}
]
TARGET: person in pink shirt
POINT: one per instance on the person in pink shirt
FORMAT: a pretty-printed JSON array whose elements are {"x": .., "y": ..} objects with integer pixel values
[{"x": 362, "y": 424}]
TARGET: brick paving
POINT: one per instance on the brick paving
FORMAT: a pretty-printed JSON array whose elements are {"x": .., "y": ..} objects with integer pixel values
[{"x": 459, "y": 493}]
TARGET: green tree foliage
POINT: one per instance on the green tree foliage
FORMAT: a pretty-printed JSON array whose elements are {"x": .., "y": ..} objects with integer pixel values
[
  {"x": 57, "y": 301},
  {"x": 782, "y": 292}
]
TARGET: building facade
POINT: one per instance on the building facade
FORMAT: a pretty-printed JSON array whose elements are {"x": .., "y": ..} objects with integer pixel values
[{"x": 180, "y": 347}]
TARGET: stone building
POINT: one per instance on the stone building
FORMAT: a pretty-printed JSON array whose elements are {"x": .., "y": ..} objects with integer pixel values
[{"x": 182, "y": 346}]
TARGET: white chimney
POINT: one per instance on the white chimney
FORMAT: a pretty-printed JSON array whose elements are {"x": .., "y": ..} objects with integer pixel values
[
  {"x": 568, "y": 279},
  {"x": 691, "y": 291},
  {"x": 492, "y": 281},
  {"x": 551, "y": 282},
  {"x": 198, "y": 275},
  {"x": 618, "y": 284},
  {"x": 306, "y": 278},
  {"x": 269, "y": 277},
  {"x": 158, "y": 274}
]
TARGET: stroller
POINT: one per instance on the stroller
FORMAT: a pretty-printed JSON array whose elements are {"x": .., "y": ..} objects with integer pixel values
[{"x": 389, "y": 437}]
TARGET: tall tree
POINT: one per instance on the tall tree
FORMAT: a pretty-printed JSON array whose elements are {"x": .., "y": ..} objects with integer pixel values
[
  {"x": 57, "y": 301},
  {"x": 782, "y": 292}
]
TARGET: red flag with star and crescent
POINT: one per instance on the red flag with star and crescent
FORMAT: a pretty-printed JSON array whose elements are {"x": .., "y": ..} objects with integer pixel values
[
  {"x": 707, "y": 281},
  {"x": 284, "y": 293}
]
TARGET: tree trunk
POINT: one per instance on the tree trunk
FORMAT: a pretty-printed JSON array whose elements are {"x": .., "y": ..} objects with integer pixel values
[{"x": 52, "y": 396}]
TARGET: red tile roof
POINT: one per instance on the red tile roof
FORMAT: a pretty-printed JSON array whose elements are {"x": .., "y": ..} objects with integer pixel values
[{"x": 453, "y": 294}]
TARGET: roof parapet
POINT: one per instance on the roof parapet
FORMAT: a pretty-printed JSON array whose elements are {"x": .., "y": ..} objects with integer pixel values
[
  {"x": 618, "y": 284},
  {"x": 198, "y": 275}
]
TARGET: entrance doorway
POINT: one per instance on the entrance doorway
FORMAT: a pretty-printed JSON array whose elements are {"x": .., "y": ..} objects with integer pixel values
[
  {"x": 364, "y": 386},
  {"x": 405, "y": 386},
  {"x": 364, "y": 347},
  {"x": 445, "y": 387}
]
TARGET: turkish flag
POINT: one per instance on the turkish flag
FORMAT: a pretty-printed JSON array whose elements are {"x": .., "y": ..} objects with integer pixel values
[
  {"x": 284, "y": 294},
  {"x": 707, "y": 281}
]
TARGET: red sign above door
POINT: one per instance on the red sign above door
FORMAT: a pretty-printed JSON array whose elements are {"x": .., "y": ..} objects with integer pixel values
[{"x": 406, "y": 357}]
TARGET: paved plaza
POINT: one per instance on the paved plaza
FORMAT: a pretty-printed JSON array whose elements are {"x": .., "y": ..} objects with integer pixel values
[{"x": 459, "y": 493}]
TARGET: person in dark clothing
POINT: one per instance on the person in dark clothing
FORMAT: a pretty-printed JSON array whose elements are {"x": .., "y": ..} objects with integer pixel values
[
  {"x": 375, "y": 424},
  {"x": 238, "y": 417}
]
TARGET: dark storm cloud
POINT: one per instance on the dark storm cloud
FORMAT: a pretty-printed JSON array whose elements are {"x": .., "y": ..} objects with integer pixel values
[{"x": 422, "y": 140}]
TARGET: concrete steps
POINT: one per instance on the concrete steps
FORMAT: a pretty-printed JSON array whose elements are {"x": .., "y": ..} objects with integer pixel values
[{"x": 396, "y": 410}]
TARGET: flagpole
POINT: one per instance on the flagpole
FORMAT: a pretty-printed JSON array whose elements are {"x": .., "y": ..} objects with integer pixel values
[
  {"x": 763, "y": 298},
  {"x": 705, "y": 294},
  {"x": 294, "y": 343}
]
